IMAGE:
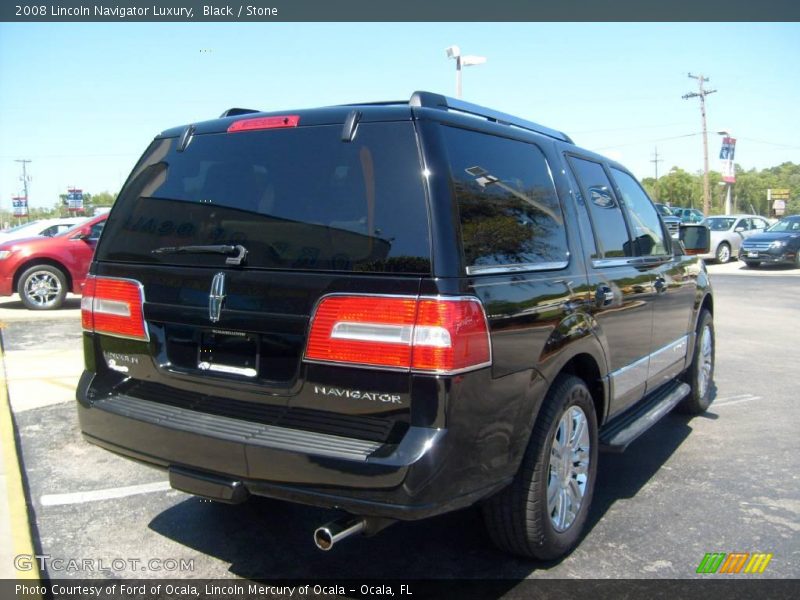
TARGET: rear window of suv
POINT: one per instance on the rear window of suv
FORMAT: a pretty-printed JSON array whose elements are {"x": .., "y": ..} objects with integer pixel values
[{"x": 298, "y": 198}]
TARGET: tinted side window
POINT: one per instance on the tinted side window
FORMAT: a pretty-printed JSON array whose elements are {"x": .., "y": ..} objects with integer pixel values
[
  {"x": 610, "y": 232},
  {"x": 646, "y": 225},
  {"x": 507, "y": 203}
]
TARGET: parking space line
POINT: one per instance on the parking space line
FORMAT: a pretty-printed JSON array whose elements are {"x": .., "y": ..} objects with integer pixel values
[
  {"x": 748, "y": 398},
  {"x": 106, "y": 494},
  {"x": 734, "y": 397},
  {"x": 68, "y": 382},
  {"x": 59, "y": 382}
]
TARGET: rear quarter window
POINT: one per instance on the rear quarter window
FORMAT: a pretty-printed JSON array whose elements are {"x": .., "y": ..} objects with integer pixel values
[{"x": 508, "y": 208}]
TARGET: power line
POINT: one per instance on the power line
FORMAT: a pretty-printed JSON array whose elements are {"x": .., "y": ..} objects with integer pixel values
[
  {"x": 103, "y": 155},
  {"x": 627, "y": 128},
  {"x": 665, "y": 139},
  {"x": 768, "y": 143},
  {"x": 702, "y": 93}
]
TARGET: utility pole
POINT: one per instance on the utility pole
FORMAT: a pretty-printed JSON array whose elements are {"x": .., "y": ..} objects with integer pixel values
[
  {"x": 24, "y": 178},
  {"x": 655, "y": 161},
  {"x": 702, "y": 93},
  {"x": 24, "y": 175}
]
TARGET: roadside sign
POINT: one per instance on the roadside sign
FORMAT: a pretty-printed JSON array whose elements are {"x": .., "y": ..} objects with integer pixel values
[
  {"x": 20, "y": 206},
  {"x": 75, "y": 200},
  {"x": 726, "y": 154}
]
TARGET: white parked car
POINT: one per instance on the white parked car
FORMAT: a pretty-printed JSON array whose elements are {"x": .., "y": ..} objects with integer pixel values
[
  {"x": 42, "y": 227},
  {"x": 728, "y": 232}
]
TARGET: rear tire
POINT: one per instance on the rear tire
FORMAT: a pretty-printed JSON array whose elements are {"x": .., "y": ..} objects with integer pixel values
[
  {"x": 723, "y": 253},
  {"x": 42, "y": 287},
  {"x": 541, "y": 514},
  {"x": 700, "y": 374}
]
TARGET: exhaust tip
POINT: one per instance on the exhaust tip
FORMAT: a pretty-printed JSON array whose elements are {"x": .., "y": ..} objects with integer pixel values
[
  {"x": 323, "y": 539},
  {"x": 326, "y": 536}
]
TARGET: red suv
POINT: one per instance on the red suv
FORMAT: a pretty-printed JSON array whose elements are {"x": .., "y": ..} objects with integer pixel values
[{"x": 43, "y": 269}]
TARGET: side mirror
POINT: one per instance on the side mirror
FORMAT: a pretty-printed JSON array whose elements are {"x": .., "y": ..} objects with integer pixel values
[
  {"x": 82, "y": 234},
  {"x": 695, "y": 238},
  {"x": 739, "y": 229}
]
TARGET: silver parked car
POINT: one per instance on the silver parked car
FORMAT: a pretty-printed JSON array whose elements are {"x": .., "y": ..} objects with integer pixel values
[{"x": 728, "y": 232}]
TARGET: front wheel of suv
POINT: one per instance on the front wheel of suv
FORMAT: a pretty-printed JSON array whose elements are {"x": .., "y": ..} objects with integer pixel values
[
  {"x": 541, "y": 514},
  {"x": 700, "y": 374}
]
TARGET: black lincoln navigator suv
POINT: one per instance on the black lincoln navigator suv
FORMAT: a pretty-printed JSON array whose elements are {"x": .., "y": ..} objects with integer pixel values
[{"x": 397, "y": 309}]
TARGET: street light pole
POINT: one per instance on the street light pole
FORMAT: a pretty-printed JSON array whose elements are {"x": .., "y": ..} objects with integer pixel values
[
  {"x": 728, "y": 184},
  {"x": 728, "y": 193},
  {"x": 462, "y": 61},
  {"x": 458, "y": 76}
]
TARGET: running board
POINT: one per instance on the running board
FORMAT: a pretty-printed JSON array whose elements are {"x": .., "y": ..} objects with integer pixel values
[{"x": 624, "y": 429}]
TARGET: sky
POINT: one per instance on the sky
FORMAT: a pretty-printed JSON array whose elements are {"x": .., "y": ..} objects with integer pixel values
[{"x": 82, "y": 101}]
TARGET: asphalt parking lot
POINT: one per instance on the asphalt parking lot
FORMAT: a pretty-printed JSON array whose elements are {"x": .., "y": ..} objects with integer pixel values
[{"x": 724, "y": 482}]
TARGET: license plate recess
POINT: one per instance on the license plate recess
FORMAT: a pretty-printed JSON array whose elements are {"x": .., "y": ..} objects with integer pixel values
[{"x": 231, "y": 352}]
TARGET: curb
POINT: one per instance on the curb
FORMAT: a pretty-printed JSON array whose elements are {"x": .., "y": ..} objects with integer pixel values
[{"x": 13, "y": 504}]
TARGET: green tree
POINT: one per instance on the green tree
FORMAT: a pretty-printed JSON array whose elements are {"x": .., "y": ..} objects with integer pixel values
[
  {"x": 677, "y": 188},
  {"x": 649, "y": 184},
  {"x": 750, "y": 192},
  {"x": 104, "y": 199}
]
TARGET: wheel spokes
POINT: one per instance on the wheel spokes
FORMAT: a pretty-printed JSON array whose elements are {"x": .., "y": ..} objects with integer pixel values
[
  {"x": 569, "y": 468},
  {"x": 42, "y": 288}
]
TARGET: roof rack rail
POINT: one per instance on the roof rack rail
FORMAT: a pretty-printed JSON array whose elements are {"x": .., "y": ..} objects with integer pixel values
[
  {"x": 235, "y": 112},
  {"x": 380, "y": 103},
  {"x": 431, "y": 100}
]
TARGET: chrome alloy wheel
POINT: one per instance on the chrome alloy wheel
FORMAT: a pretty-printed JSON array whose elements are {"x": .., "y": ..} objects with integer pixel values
[
  {"x": 706, "y": 361},
  {"x": 569, "y": 468},
  {"x": 42, "y": 288}
]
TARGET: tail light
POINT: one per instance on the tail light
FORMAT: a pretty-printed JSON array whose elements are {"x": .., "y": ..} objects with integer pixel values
[
  {"x": 114, "y": 307},
  {"x": 434, "y": 335}
]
